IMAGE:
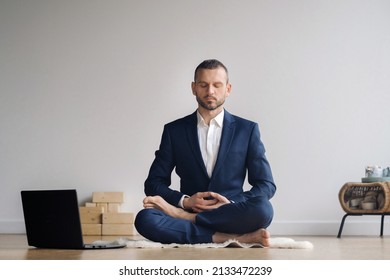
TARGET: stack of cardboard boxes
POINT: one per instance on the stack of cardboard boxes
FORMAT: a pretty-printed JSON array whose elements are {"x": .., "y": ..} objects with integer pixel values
[{"x": 102, "y": 216}]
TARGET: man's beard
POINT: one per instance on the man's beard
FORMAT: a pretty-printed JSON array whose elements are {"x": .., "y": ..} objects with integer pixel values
[{"x": 210, "y": 106}]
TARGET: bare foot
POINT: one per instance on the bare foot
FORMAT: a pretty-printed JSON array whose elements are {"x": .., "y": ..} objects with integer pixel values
[
  {"x": 261, "y": 236},
  {"x": 157, "y": 202}
]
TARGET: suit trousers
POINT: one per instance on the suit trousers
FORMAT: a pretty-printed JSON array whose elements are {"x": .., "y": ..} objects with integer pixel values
[{"x": 234, "y": 218}]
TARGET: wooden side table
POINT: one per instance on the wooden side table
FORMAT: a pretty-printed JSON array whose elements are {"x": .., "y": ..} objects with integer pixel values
[{"x": 365, "y": 199}]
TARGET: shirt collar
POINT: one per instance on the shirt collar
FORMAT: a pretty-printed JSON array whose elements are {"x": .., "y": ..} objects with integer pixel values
[{"x": 218, "y": 119}]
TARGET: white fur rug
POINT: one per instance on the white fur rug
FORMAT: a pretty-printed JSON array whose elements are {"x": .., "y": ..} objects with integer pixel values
[{"x": 275, "y": 242}]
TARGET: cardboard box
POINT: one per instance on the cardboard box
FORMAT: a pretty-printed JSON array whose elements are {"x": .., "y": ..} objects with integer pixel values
[
  {"x": 91, "y": 229},
  {"x": 103, "y": 205},
  {"x": 118, "y": 218},
  {"x": 113, "y": 207},
  {"x": 90, "y": 215},
  {"x": 90, "y": 204},
  {"x": 117, "y": 197},
  {"x": 118, "y": 229}
]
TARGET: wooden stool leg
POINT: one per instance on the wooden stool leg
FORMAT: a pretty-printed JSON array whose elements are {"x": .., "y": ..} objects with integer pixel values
[
  {"x": 342, "y": 225},
  {"x": 382, "y": 221}
]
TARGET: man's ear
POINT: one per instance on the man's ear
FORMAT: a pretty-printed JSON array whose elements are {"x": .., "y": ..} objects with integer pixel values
[
  {"x": 193, "y": 88},
  {"x": 228, "y": 89}
]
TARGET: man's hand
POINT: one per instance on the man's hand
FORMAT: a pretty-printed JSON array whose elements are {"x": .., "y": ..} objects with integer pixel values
[{"x": 203, "y": 201}]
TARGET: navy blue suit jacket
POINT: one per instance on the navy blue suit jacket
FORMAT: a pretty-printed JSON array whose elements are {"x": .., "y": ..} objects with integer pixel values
[{"x": 241, "y": 153}]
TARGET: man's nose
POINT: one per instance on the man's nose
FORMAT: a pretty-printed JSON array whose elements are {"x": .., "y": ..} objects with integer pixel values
[{"x": 210, "y": 90}]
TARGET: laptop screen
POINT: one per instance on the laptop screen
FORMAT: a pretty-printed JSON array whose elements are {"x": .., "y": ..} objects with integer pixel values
[{"x": 52, "y": 218}]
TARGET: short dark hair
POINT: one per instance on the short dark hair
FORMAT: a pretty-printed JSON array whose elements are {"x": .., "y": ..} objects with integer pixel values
[{"x": 211, "y": 64}]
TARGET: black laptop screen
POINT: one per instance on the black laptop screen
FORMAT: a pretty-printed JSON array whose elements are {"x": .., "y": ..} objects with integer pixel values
[{"x": 52, "y": 218}]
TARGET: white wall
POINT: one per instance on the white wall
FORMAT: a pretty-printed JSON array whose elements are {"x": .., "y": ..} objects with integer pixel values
[{"x": 86, "y": 86}]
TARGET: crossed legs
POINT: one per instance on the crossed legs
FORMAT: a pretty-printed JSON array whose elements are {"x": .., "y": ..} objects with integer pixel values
[{"x": 261, "y": 235}]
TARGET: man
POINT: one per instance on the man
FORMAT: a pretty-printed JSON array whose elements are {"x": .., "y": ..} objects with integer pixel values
[{"x": 211, "y": 151}]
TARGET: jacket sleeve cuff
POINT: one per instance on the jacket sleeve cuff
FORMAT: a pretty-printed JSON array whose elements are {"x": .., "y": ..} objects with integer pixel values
[{"x": 182, "y": 200}]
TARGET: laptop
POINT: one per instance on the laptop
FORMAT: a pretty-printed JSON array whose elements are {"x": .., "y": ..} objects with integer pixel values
[{"x": 52, "y": 220}]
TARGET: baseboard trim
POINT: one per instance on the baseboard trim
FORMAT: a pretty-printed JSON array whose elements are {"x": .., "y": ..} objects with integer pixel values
[
  {"x": 352, "y": 226},
  {"x": 12, "y": 227}
]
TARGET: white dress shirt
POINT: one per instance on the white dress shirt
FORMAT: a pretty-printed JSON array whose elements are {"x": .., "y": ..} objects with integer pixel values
[{"x": 209, "y": 139}]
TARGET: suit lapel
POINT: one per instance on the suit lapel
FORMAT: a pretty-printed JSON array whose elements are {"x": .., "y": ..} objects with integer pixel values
[
  {"x": 226, "y": 140},
  {"x": 192, "y": 135}
]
